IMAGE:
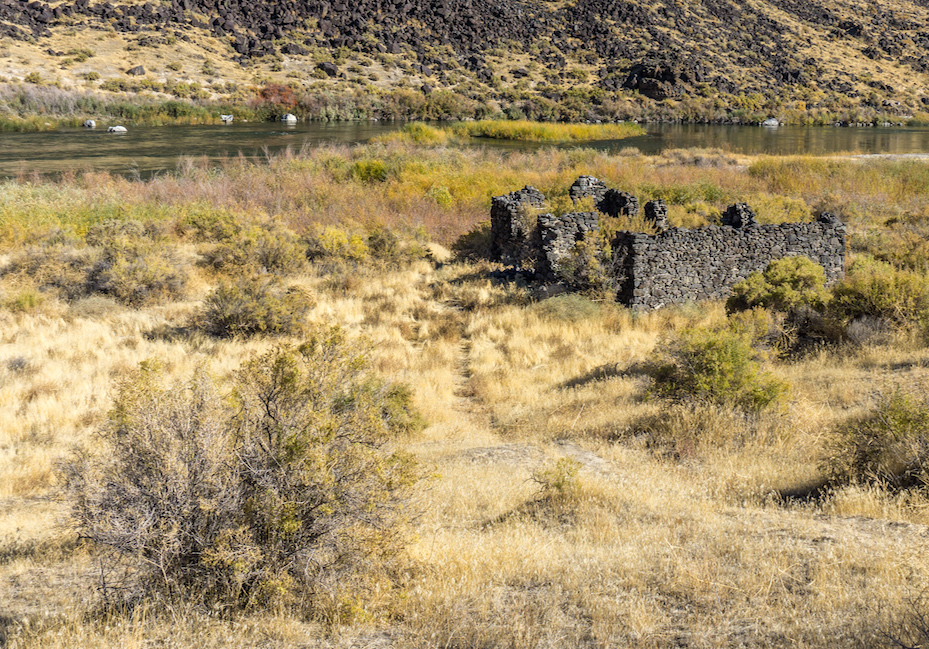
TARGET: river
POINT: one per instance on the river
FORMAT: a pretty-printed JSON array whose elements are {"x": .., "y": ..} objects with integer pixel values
[{"x": 146, "y": 151}]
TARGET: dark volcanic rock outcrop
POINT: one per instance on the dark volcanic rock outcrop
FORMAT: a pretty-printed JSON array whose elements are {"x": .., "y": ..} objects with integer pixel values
[{"x": 663, "y": 49}]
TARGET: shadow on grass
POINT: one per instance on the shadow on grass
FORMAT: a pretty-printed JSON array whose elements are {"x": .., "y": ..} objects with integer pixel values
[
  {"x": 608, "y": 371},
  {"x": 811, "y": 492}
]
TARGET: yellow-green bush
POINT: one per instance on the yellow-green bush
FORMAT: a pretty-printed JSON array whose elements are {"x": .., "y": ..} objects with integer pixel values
[
  {"x": 784, "y": 285},
  {"x": 272, "y": 248},
  {"x": 58, "y": 267},
  {"x": 209, "y": 225},
  {"x": 125, "y": 260},
  {"x": 546, "y": 132},
  {"x": 385, "y": 245},
  {"x": 558, "y": 480},
  {"x": 416, "y": 133},
  {"x": 24, "y": 301},
  {"x": 139, "y": 278},
  {"x": 370, "y": 170},
  {"x": 586, "y": 267},
  {"x": 876, "y": 288},
  {"x": 336, "y": 243},
  {"x": 718, "y": 365}
]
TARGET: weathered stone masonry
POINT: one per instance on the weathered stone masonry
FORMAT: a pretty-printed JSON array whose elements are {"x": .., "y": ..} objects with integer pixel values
[
  {"x": 680, "y": 265},
  {"x": 676, "y": 265}
]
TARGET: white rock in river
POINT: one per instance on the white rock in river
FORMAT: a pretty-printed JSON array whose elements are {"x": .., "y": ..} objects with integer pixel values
[
  {"x": 289, "y": 118},
  {"x": 116, "y": 129},
  {"x": 770, "y": 122}
]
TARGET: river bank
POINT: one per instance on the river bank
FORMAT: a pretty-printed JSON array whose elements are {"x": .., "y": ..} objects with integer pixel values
[{"x": 26, "y": 107}]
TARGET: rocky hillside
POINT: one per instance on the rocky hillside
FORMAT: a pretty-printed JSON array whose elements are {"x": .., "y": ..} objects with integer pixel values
[{"x": 765, "y": 55}]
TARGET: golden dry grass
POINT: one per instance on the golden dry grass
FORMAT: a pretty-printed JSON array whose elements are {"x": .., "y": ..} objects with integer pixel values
[{"x": 679, "y": 543}]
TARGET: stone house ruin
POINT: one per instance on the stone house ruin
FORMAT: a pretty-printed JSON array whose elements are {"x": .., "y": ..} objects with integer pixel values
[{"x": 651, "y": 270}]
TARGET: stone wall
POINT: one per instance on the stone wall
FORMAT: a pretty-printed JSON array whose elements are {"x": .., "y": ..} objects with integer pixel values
[
  {"x": 513, "y": 233},
  {"x": 680, "y": 265},
  {"x": 558, "y": 235},
  {"x": 652, "y": 270}
]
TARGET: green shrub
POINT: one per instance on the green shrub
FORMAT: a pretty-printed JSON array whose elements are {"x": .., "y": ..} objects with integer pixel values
[
  {"x": 875, "y": 288},
  {"x": 60, "y": 267},
  {"x": 586, "y": 268},
  {"x": 385, "y": 245},
  {"x": 134, "y": 268},
  {"x": 209, "y": 225},
  {"x": 254, "y": 305},
  {"x": 124, "y": 260},
  {"x": 888, "y": 445},
  {"x": 785, "y": 285},
  {"x": 715, "y": 365},
  {"x": 80, "y": 54},
  {"x": 558, "y": 480},
  {"x": 290, "y": 494},
  {"x": 24, "y": 301},
  {"x": 116, "y": 234},
  {"x": 396, "y": 408},
  {"x": 119, "y": 85}
]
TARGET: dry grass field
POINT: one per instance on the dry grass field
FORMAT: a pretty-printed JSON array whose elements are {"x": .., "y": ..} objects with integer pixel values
[{"x": 556, "y": 511}]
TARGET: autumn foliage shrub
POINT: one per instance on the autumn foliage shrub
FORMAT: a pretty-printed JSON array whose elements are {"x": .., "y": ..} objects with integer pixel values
[{"x": 289, "y": 492}]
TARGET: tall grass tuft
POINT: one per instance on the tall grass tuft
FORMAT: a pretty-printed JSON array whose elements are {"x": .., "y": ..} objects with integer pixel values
[{"x": 527, "y": 131}]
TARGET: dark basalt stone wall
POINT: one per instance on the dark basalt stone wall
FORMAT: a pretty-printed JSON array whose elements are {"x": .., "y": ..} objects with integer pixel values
[
  {"x": 513, "y": 234},
  {"x": 680, "y": 265},
  {"x": 676, "y": 265},
  {"x": 558, "y": 236}
]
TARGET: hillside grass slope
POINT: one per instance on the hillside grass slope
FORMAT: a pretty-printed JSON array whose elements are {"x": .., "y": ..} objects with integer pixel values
[{"x": 721, "y": 61}]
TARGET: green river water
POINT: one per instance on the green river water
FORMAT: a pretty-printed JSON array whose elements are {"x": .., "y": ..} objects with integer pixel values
[{"x": 146, "y": 151}]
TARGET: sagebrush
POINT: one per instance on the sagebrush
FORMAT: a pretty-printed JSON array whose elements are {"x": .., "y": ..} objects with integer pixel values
[{"x": 288, "y": 491}]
